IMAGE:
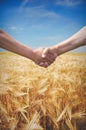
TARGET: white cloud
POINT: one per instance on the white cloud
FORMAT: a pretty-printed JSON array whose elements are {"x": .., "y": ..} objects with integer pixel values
[
  {"x": 68, "y": 2},
  {"x": 12, "y": 28},
  {"x": 24, "y": 2},
  {"x": 15, "y": 29},
  {"x": 37, "y": 13}
]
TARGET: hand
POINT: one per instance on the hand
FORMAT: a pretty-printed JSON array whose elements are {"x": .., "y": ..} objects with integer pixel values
[
  {"x": 38, "y": 59},
  {"x": 50, "y": 53}
]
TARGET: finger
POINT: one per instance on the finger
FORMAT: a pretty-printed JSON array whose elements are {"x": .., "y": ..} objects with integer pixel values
[
  {"x": 50, "y": 58},
  {"x": 44, "y": 64},
  {"x": 45, "y": 52}
]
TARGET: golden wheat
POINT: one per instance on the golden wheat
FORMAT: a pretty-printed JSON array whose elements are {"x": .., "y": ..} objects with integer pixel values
[{"x": 35, "y": 98}]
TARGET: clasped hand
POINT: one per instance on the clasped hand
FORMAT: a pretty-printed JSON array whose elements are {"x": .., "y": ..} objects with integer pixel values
[{"x": 45, "y": 56}]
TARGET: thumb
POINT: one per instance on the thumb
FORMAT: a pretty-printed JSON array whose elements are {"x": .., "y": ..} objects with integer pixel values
[{"x": 44, "y": 53}]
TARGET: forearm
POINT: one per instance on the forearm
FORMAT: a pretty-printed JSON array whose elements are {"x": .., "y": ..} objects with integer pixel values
[
  {"x": 8, "y": 43},
  {"x": 77, "y": 40}
]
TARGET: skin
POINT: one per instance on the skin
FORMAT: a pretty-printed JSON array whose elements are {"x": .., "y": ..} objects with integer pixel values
[
  {"x": 75, "y": 41},
  {"x": 10, "y": 44},
  {"x": 43, "y": 56}
]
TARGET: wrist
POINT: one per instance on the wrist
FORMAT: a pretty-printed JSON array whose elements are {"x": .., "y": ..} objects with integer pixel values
[
  {"x": 56, "y": 50},
  {"x": 26, "y": 52},
  {"x": 32, "y": 55},
  {"x": 64, "y": 46}
]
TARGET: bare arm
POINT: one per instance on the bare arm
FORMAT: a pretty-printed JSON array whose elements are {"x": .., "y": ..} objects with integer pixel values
[
  {"x": 75, "y": 41},
  {"x": 8, "y": 43}
]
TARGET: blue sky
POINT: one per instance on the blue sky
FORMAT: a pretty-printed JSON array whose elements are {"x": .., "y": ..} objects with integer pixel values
[{"x": 38, "y": 23}]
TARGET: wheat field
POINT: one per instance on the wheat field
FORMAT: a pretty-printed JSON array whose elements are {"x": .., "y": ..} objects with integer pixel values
[{"x": 35, "y": 98}]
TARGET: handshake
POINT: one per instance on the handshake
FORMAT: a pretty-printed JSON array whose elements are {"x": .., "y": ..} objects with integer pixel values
[{"x": 43, "y": 56}]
